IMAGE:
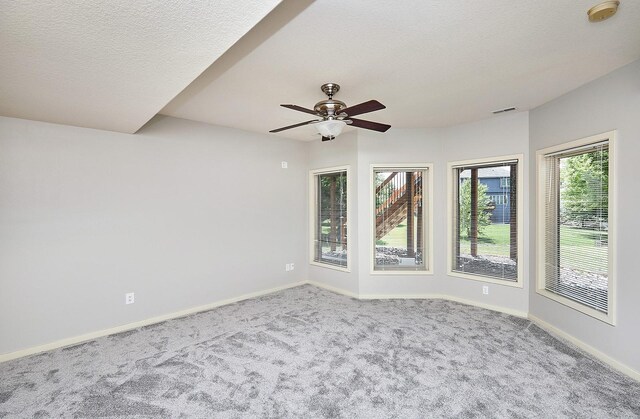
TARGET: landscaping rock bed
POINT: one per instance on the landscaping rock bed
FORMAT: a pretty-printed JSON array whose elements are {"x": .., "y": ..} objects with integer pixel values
[
  {"x": 488, "y": 265},
  {"x": 570, "y": 277},
  {"x": 335, "y": 255},
  {"x": 384, "y": 259},
  {"x": 587, "y": 287},
  {"x": 581, "y": 285},
  {"x": 393, "y": 255}
]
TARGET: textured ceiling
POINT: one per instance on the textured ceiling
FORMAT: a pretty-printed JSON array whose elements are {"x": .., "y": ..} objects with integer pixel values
[
  {"x": 111, "y": 64},
  {"x": 114, "y": 64},
  {"x": 432, "y": 63}
]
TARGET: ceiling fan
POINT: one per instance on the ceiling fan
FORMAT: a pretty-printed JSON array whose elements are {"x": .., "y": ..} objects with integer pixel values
[{"x": 333, "y": 115}]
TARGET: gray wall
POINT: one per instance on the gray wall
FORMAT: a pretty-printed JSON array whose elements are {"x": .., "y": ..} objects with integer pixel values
[
  {"x": 182, "y": 213},
  {"x": 339, "y": 152},
  {"x": 397, "y": 146},
  {"x": 186, "y": 214},
  {"x": 497, "y": 136},
  {"x": 611, "y": 102}
]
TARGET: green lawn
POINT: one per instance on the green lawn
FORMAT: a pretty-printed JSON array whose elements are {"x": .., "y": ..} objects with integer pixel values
[
  {"x": 582, "y": 249},
  {"x": 396, "y": 237},
  {"x": 493, "y": 242}
]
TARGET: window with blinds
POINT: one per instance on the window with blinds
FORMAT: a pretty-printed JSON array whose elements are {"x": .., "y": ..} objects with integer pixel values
[
  {"x": 486, "y": 222},
  {"x": 575, "y": 207},
  {"x": 400, "y": 217},
  {"x": 329, "y": 244}
]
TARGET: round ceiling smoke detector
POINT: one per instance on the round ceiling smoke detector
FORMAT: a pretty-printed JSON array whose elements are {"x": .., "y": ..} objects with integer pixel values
[{"x": 603, "y": 11}]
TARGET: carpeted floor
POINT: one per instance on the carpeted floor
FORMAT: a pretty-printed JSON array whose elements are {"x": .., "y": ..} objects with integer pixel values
[{"x": 306, "y": 352}]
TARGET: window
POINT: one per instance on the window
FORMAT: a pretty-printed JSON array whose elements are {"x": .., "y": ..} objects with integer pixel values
[
  {"x": 574, "y": 233},
  {"x": 505, "y": 182},
  {"x": 500, "y": 199},
  {"x": 329, "y": 217},
  {"x": 485, "y": 228},
  {"x": 401, "y": 218}
]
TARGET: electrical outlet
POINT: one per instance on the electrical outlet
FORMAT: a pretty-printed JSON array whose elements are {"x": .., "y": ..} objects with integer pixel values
[
  {"x": 285, "y": 164},
  {"x": 129, "y": 298},
  {"x": 292, "y": 266},
  {"x": 485, "y": 290},
  {"x": 287, "y": 267}
]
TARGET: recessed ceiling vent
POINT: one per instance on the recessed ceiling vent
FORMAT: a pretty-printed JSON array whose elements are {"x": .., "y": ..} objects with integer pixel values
[{"x": 513, "y": 108}]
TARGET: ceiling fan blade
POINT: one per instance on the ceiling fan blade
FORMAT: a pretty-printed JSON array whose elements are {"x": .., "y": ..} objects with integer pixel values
[
  {"x": 364, "y": 107},
  {"x": 300, "y": 109},
  {"x": 294, "y": 125},
  {"x": 375, "y": 126}
]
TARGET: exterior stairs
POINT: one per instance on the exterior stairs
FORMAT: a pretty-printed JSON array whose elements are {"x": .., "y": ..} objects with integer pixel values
[{"x": 392, "y": 211}]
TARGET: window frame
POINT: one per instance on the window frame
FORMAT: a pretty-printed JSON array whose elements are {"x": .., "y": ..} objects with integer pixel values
[
  {"x": 519, "y": 282},
  {"x": 313, "y": 211},
  {"x": 610, "y": 316},
  {"x": 428, "y": 226}
]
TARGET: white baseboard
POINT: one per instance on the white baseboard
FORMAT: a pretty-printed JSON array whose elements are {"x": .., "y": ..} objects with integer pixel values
[
  {"x": 334, "y": 289},
  {"x": 505, "y": 310},
  {"x": 585, "y": 347},
  {"x": 552, "y": 329},
  {"x": 130, "y": 326}
]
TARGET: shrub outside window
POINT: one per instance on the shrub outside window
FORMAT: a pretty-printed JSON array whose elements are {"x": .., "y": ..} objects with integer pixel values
[{"x": 485, "y": 228}]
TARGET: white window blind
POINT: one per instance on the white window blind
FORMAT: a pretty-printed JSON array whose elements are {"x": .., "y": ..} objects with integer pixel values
[
  {"x": 330, "y": 230},
  {"x": 576, "y": 231},
  {"x": 400, "y": 214}
]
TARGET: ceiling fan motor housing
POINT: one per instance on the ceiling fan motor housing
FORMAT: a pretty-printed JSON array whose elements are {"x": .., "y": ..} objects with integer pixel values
[{"x": 329, "y": 108}]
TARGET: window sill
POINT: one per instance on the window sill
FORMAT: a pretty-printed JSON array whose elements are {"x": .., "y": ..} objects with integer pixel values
[
  {"x": 606, "y": 318},
  {"x": 401, "y": 273},
  {"x": 515, "y": 284},
  {"x": 329, "y": 266}
]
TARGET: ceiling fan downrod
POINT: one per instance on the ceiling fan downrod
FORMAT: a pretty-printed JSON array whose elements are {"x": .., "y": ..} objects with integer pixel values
[
  {"x": 330, "y": 89},
  {"x": 329, "y": 108}
]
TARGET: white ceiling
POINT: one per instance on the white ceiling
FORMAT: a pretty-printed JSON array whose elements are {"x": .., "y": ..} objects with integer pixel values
[
  {"x": 111, "y": 64},
  {"x": 432, "y": 63}
]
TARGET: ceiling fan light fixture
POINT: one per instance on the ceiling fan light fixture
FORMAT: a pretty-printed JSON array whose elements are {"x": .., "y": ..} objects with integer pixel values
[{"x": 330, "y": 128}]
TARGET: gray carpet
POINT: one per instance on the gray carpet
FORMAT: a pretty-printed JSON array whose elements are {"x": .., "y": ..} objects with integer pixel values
[{"x": 306, "y": 352}]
